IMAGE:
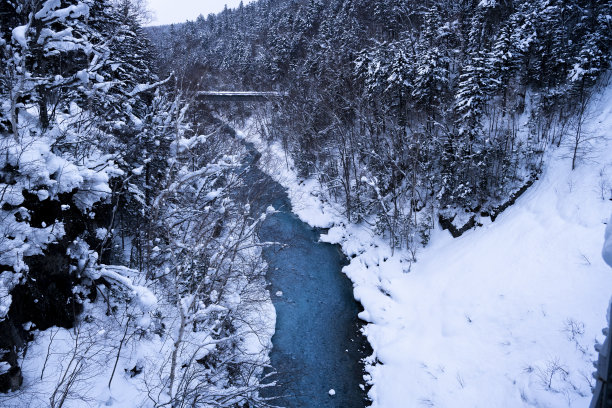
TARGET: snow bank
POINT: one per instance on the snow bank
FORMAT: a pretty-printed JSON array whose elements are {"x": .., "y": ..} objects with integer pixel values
[{"x": 307, "y": 200}]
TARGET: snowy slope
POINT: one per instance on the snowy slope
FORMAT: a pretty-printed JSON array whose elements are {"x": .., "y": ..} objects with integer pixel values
[{"x": 505, "y": 316}]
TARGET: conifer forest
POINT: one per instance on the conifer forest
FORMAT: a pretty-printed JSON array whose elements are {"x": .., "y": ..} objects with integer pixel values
[{"x": 306, "y": 204}]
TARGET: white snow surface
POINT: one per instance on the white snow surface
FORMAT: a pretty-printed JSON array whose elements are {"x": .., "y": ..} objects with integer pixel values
[{"x": 506, "y": 315}]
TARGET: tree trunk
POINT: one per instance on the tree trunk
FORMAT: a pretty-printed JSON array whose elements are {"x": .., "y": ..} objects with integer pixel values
[{"x": 42, "y": 107}]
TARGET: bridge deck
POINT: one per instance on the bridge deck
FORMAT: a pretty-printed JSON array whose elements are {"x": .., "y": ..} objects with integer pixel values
[{"x": 223, "y": 96}]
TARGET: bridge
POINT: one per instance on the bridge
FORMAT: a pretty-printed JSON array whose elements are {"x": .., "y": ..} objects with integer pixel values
[{"x": 231, "y": 96}]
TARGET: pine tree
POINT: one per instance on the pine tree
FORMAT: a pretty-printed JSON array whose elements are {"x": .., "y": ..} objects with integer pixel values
[
  {"x": 502, "y": 63},
  {"x": 593, "y": 57},
  {"x": 431, "y": 79},
  {"x": 52, "y": 45}
]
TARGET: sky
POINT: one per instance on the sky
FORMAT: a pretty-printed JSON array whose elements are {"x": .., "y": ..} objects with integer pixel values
[{"x": 178, "y": 11}]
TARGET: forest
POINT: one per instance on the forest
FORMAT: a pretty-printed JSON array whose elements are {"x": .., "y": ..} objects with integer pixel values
[
  {"x": 409, "y": 110},
  {"x": 130, "y": 258}
]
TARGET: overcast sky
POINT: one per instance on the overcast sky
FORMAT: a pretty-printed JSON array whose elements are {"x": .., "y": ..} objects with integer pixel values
[{"x": 178, "y": 11}]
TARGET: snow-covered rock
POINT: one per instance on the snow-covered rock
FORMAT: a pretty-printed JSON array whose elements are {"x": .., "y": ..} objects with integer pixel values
[{"x": 607, "y": 247}]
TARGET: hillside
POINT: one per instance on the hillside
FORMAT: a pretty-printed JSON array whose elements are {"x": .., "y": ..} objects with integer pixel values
[{"x": 404, "y": 110}]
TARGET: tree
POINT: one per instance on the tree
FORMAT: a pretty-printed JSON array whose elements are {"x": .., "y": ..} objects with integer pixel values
[{"x": 60, "y": 166}]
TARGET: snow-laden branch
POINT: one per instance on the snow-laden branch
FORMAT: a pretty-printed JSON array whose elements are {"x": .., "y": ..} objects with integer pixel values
[
  {"x": 147, "y": 87},
  {"x": 117, "y": 274}
]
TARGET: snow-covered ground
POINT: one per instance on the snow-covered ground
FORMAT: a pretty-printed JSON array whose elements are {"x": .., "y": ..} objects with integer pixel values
[
  {"x": 506, "y": 315},
  {"x": 85, "y": 366}
]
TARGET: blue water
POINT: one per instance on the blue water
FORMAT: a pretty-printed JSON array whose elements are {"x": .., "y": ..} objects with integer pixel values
[{"x": 317, "y": 345}]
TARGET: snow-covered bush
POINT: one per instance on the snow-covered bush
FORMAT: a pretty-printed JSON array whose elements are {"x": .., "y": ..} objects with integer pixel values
[{"x": 206, "y": 263}]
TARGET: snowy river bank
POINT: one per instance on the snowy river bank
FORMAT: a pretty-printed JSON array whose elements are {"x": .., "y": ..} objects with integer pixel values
[{"x": 513, "y": 307}]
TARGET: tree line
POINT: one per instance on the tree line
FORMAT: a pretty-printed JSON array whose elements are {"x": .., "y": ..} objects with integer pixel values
[
  {"x": 119, "y": 216},
  {"x": 407, "y": 111}
]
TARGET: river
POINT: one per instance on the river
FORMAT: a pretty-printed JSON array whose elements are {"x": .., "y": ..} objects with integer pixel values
[{"x": 317, "y": 346}]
